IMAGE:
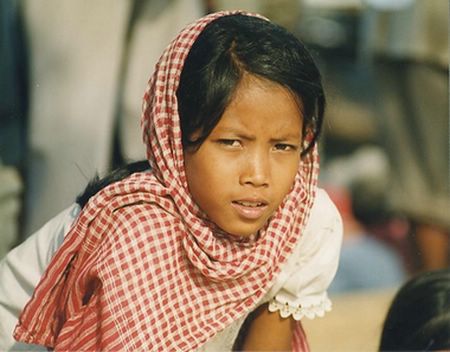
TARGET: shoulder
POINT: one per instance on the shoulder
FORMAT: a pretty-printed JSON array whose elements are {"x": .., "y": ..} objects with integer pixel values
[
  {"x": 323, "y": 231},
  {"x": 324, "y": 215},
  {"x": 153, "y": 216},
  {"x": 301, "y": 288},
  {"x": 142, "y": 224},
  {"x": 136, "y": 205}
]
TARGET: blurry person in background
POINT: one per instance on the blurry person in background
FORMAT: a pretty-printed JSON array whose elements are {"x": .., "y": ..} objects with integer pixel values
[
  {"x": 94, "y": 52},
  {"x": 407, "y": 47},
  {"x": 419, "y": 316},
  {"x": 367, "y": 262},
  {"x": 13, "y": 107},
  {"x": 374, "y": 252}
]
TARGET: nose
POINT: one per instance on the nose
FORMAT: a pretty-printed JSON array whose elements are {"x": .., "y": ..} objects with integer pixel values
[{"x": 256, "y": 170}]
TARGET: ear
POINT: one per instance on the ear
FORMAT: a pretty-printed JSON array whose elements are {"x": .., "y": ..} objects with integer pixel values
[{"x": 309, "y": 137}]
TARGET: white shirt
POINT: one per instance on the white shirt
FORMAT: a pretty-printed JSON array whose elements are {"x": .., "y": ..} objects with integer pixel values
[{"x": 299, "y": 290}]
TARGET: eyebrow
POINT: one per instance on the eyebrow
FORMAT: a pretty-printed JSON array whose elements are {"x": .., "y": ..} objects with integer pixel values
[
  {"x": 236, "y": 131},
  {"x": 285, "y": 138},
  {"x": 242, "y": 135}
]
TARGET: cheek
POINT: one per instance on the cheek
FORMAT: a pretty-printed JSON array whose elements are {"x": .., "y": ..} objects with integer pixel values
[
  {"x": 204, "y": 175},
  {"x": 192, "y": 173},
  {"x": 286, "y": 177}
]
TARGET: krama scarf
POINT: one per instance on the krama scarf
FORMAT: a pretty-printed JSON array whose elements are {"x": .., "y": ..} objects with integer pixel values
[{"x": 142, "y": 268}]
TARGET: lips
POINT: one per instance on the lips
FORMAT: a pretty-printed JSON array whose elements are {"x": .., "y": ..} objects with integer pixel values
[
  {"x": 249, "y": 204},
  {"x": 250, "y": 209}
]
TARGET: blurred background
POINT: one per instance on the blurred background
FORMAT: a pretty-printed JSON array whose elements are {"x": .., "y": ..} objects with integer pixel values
[{"x": 72, "y": 74}]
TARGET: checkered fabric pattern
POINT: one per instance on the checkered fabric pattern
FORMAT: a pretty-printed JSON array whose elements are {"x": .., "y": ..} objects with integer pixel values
[{"x": 141, "y": 269}]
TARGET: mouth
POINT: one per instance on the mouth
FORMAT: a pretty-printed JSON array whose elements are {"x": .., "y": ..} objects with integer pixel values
[
  {"x": 250, "y": 209},
  {"x": 249, "y": 203}
]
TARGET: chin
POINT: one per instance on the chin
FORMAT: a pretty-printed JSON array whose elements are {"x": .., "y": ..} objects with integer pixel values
[{"x": 244, "y": 231}]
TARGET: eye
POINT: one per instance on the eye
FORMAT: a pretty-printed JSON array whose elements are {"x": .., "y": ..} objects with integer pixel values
[
  {"x": 285, "y": 147},
  {"x": 233, "y": 143}
]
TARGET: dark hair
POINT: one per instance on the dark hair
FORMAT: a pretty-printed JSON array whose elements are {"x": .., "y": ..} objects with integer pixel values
[
  {"x": 234, "y": 45},
  {"x": 419, "y": 316},
  {"x": 97, "y": 183}
]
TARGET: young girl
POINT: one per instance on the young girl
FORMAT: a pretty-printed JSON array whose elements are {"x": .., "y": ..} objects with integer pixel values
[{"x": 227, "y": 242}]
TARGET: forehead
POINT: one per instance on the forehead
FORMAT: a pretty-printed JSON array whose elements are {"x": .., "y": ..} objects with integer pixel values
[{"x": 258, "y": 102}]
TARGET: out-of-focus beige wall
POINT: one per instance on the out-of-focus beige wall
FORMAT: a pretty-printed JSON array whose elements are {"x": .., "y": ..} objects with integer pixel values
[
  {"x": 353, "y": 325},
  {"x": 283, "y": 12}
]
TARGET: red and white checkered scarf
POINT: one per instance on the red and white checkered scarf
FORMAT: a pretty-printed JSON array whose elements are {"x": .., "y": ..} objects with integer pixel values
[{"x": 141, "y": 269}]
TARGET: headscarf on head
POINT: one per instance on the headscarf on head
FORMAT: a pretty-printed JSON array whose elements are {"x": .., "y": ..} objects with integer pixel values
[{"x": 141, "y": 268}]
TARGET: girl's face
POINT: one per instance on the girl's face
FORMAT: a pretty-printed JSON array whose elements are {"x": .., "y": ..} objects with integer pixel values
[{"x": 247, "y": 165}]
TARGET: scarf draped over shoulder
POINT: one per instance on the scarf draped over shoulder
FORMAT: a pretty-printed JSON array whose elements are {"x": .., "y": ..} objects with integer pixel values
[{"x": 141, "y": 268}]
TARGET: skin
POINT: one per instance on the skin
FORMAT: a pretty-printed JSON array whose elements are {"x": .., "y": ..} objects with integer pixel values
[
  {"x": 244, "y": 169},
  {"x": 268, "y": 332},
  {"x": 242, "y": 172}
]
